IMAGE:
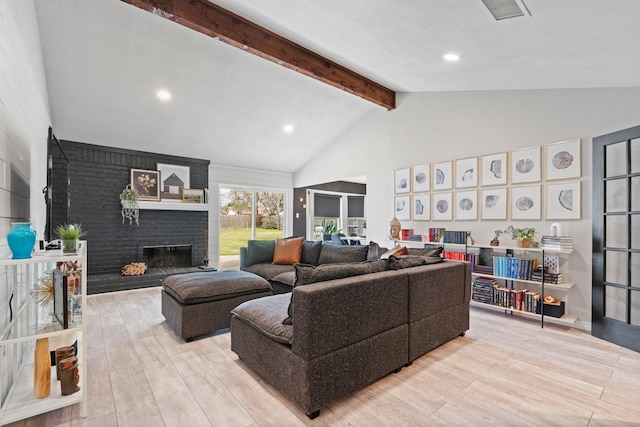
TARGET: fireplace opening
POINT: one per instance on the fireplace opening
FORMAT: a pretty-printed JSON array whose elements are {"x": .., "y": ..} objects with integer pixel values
[{"x": 167, "y": 256}]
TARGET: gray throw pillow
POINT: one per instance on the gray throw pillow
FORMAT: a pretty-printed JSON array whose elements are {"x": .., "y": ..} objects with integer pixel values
[
  {"x": 311, "y": 252},
  {"x": 375, "y": 250},
  {"x": 259, "y": 251},
  {"x": 425, "y": 251},
  {"x": 408, "y": 261},
  {"x": 307, "y": 274},
  {"x": 335, "y": 254}
]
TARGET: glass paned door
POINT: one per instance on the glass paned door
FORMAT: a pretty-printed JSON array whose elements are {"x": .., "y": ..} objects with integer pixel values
[{"x": 616, "y": 238}]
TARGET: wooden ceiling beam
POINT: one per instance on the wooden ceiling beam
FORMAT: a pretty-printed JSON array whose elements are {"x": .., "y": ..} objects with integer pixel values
[{"x": 214, "y": 21}]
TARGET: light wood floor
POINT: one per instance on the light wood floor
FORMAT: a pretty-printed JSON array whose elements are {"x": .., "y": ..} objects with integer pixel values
[{"x": 505, "y": 372}]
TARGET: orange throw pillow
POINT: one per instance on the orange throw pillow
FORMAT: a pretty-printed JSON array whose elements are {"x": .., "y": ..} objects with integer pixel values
[{"x": 288, "y": 251}]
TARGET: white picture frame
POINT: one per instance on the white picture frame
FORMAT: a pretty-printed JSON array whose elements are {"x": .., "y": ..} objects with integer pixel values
[
  {"x": 466, "y": 205},
  {"x": 524, "y": 165},
  {"x": 421, "y": 207},
  {"x": 173, "y": 179},
  {"x": 493, "y": 203},
  {"x": 442, "y": 209},
  {"x": 562, "y": 200},
  {"x": 402, "y": 207},
  {"x": 562, "y": 160},
  {"x": 420, "y": 178},
  {"x": 467, "y": 172},
  {"x": 525, "y": 202},
  {"x": 494, "y": 169},
  {"x": 401, "y": 181},
  {"x": 442, "y": 176}
]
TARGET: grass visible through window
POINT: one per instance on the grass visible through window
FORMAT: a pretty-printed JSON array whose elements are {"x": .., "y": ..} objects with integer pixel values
[{"x": 232, "y": 238}]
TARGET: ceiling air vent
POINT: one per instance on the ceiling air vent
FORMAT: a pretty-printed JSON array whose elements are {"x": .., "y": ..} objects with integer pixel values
[{"x": 506, "y": 9}]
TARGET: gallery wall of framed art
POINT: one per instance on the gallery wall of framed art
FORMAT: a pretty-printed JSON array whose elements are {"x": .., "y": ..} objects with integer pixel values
[{"x": 532, "y": 183}]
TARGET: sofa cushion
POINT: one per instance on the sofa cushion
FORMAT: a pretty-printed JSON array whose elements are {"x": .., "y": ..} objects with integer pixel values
[
  {"x": 425, "y": 251},
  {"x": 267, "y": 270},
  {"x": 307, "y": 274},
  {"x": 259, "y": 251},
  {"x": 311, "y": 251},
  {"x": 375, "y": 251},
  {"x": 287, "y": 251},
  {"x": 265, "y": 315},
  {"x": 408, "y": 261},
  {"x": 338, "y": 254},
  {"x": 288, "y": 278}
]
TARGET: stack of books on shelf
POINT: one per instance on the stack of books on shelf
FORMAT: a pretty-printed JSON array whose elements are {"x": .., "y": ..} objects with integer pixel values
[
  {"x": 459, "y": 237},
  {"x": 483, "y": 288},
  {"x": 549, "y": 277},
  {"x": 416, "y": 238},
  {"x": 564, "y": 243},
  {"x": 460, "y": 256},
  {"x": 435, "y": 234},
  {"x": 516, "y": 299},
  {"x": 514, "y": 268},
  {"x": 406, "y": 234}
]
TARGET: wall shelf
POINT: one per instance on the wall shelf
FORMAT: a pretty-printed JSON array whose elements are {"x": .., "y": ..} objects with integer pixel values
[{"x": 173, "y": 206}]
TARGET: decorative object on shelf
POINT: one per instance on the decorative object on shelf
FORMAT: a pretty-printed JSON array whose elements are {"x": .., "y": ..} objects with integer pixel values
[
  {"x": 329, "y": 228},
  {"x": 69, "y": 376},
  {"x": 43, "y": 291},
  {"x": 524, "y": 236},
  {"x": 129, "y": 202},
  {"x": 496, "y": 239},
  {"x": 394, "y": 229},
  {"x": 61, "y": 296},
  {"x": 555, "y": 230},
  {"x": 134, "y": 269},
  {"x": 21, "y": 240},
  {"x": 69, "y": 235},
  {"x": 62, "y": 353},
  {"x": 42, "y": 369},
  {"x": 193, "y": 195},
  {"x": 146, "y": 184}
]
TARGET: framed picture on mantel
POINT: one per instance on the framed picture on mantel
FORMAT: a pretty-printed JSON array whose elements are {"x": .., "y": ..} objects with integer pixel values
[
  {"x": 146, "y": 183},
  {"x": 174, "y": 179}
]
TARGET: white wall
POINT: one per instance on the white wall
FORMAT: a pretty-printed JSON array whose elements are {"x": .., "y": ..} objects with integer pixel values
[
  {"x": 24, "y": 119},
  {"x": 225, "y": 176},
  {"x": 435, "y": 127}
]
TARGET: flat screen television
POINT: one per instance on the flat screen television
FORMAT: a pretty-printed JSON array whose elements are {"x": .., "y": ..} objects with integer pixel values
[{"x": 56, "y": 192}]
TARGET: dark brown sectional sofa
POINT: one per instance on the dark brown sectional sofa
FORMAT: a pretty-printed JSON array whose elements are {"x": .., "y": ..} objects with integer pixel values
[{"x": 348, "y": 332}]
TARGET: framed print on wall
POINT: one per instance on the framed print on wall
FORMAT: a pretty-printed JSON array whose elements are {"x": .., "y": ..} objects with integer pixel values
[
  {"x": 402, "y": 181},
  {"x": 146, "y": 183},
  {"x": 442, "y": 176},
  {"x": 466, "y": 205},
  {"x": 442, "y": 209},
  {"x": 402, "y": 209},
  {"x": 562, "y": 160},
  {"x": 174, "y": 179},
  {"x": 493, "y": 203},
  {"x": 467, "y": 172},
  {"x": 421, "y": 207},
  {"x": 525, "y": 165},
  {"x": 420, "y": 180},
  {"x": 525, "y": 202},
  {"x": 562, "y": 200},
  {"x": 493, "y": 169}
]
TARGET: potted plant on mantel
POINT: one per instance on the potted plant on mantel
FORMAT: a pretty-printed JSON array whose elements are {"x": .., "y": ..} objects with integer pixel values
[
  {"x": 69, "y": 235},
  {"x": 524, "y": 236}
]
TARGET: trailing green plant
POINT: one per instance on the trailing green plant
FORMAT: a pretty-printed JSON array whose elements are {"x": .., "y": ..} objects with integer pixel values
[
  {"x": 521, "y": 233},
  {"x": 70, "y": 231},
  {"x": 129, "y": 202}
]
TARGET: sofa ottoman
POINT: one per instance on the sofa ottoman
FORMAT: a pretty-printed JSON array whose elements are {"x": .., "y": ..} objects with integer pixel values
[{"x": 198, "y": 303}]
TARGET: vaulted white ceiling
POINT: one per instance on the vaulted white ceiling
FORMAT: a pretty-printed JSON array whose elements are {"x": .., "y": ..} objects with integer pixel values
[{"x": 105, "y": 60}]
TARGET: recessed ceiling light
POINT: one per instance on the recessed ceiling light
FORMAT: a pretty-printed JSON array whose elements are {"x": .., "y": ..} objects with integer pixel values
[
  {"x": 451, "y": 57},
  {"x": 163, "y": 95},
  {"x": 288, "y": 128}
]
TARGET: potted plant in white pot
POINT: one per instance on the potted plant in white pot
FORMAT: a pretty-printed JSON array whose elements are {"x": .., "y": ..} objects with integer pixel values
[{"x": 69, "y": 235}]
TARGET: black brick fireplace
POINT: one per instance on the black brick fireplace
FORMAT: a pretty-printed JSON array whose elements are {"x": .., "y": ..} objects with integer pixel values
[{"x": 97, "y": 177}]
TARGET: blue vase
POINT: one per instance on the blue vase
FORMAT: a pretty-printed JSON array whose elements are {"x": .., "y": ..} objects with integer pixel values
[{"x": 21, "y": 240}]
